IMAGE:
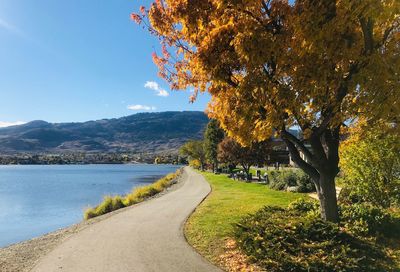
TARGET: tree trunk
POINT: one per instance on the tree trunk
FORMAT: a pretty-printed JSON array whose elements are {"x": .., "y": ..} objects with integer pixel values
[
  {"x": 321, "y": 164},
  {"x": 246, "y": 169},
  {"x": 327, "y": 198}
]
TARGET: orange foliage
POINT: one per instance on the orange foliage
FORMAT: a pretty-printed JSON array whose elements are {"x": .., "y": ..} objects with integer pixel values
[{"x": 269, "y": 64}]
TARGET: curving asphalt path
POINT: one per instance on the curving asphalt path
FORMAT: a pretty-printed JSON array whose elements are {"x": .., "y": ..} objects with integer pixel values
[{"x": 147, "y": 237}]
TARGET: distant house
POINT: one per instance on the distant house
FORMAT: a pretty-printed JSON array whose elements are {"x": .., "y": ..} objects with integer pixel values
[{"x": 281, "y": 153}]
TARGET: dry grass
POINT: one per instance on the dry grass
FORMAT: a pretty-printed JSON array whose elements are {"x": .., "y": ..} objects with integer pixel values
[{"x": 138, "y": 195}]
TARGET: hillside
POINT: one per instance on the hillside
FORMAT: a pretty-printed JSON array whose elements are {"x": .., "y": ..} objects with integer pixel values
[{"x": 142, "y": 132}]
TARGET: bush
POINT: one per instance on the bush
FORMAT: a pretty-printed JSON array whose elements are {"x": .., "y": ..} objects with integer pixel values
[
  {"x": 277, "y": 182},
  {"x": 285, "y": 240},
  {"x": 358, "y": 219},
  {"x": 370, "y": 162},
  {"x": 139, "y": 194},
  {"x": 365, "y": 219},
  {"x": 303, "y": 205},
  {"x": 348, "y": 196},
  {"x": 305, "y": 183},
  {"x": 282, "y": 180},
  {"x": 195, "y": 164}
]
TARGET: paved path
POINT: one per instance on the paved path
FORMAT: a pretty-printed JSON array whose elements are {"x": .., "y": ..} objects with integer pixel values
[
  {"x": 148, "y": 237},
  {"x": 315, "y": 195}
]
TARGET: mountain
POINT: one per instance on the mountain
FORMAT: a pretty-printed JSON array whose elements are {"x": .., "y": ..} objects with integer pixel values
[{"x": 141, "y": 132}]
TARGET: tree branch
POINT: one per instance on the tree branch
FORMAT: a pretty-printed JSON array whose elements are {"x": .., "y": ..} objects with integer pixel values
[
  {"x": 266, "y": 8},
  {"x": 341, "y": 93},
  {"x": 306, "y": 167},
  {"x": 367, "y": 30},
  {"x": 299, "y": 144},
  {"x": 387, "y": 33}
]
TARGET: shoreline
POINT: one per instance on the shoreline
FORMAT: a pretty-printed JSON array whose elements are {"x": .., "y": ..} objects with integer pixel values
[
  {"x": 23, "y": 256},
  {"x": 100, "y": 163}
]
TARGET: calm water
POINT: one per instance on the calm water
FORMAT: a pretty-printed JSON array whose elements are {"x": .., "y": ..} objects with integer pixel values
[{"x": 35, "y": 200}]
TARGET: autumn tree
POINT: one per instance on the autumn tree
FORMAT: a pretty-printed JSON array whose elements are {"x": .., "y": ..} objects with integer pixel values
[
  {"x": 230, "y": 151},
  {"x": 213, "y": 135},
  {"x": 195, "y": 151},
  {"x": 270, "y": 65}
]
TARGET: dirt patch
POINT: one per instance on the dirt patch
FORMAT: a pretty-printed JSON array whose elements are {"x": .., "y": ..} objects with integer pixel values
[{"x": 233, "y": 260}]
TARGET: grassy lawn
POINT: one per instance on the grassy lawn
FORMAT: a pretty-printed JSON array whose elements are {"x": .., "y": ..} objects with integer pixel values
[{"x": 212, "y": 222}]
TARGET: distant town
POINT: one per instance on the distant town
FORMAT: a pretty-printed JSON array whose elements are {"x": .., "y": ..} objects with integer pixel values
[{"x": 90, "y": 158}]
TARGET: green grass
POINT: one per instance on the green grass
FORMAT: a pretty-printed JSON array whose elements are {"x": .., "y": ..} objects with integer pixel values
[
  {"x": 212, "y": 222},
  {"x": 139, "y": 194}
]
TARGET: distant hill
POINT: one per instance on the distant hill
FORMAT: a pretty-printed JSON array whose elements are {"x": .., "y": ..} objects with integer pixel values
[{"x": 142, "y": 132}]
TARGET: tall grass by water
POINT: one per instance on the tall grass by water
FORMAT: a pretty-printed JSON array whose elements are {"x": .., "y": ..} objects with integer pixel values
[{"x": 139, "y": 194}]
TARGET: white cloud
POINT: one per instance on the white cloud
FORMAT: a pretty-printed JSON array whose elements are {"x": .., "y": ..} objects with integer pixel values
[
  {"x": 8, "y": 124},
  {"x": 141, "y": 108},
  {"x": 16, "y": 31},
  {"x": 9, "y": 27},
  {"x": 155, "y": 87},
  {"x": 13, "y": 29}
]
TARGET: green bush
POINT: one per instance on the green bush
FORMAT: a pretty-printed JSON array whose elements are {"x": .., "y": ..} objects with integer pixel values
[
  {"x": 361, "y": 219},
  {"x": 281, "y": 180},
  {"x": 305, "y": 183},
  {"x": 139, "y": 194},
  {"x": 367, "y": 220},
  {"x": 348, "y": 196},
  {"x": 303, "y": 205},
  {"x": 370, "y": 164},
  {"x": 285, "y": 240},
  {"x": 277, "y": 184}
]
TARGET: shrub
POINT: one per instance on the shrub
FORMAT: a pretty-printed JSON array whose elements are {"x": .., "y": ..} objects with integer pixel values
[
  {"x": 195, "y": 164},
  {"x": 305, "y": 183},
  {"x": 349, "y": 196},
  {"x": 285, "y": 240},
  {"x": 281, "y": 180},
  {"x": 370, "y": 162},
  {"x": 303, "y": 205},
  {"x": 272, "y": 175},
  {"x": 365, "y": 219},
  {"x": 277, "y": 184},
  {"x": 139, "y": 194},
  {"x": 361, "y": 219}
]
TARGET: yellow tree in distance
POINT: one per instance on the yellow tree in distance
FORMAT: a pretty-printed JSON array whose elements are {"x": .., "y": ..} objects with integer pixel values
[{"x": 270, "y": 65}]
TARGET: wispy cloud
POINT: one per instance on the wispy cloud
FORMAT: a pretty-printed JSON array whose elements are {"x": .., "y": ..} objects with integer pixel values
[
  {"x": 16, "y": 31},
  {"x": 141, "y": 108},
  {"x": 12, "y": 29},
  {"x": 152, "y": 85},
  {"x": 9, "y": 124}
]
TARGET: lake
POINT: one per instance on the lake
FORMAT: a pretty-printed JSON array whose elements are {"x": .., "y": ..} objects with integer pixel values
[{"x": 37, "y": 199}]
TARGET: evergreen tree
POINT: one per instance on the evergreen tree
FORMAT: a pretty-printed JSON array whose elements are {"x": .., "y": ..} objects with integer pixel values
[{"x": 212, "y": 137}]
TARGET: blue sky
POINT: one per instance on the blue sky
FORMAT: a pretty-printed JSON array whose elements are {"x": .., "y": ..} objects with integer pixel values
[{"x": 79, "y": 60}]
